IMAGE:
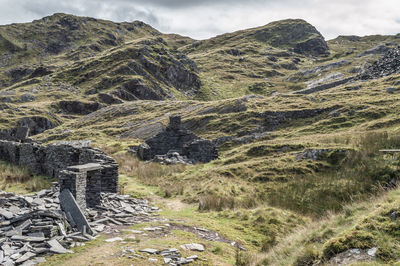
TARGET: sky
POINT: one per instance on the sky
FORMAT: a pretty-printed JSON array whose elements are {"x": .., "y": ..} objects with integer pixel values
[{"x": 201, "y": 19}]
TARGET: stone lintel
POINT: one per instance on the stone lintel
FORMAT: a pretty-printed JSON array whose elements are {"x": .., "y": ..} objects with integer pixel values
[{"x": 85, "y": 167}]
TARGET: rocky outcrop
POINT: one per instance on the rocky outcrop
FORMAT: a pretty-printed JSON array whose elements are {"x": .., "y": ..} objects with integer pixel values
[
  {"x": 380, "y": 49},
  {"x": 37, "y": 124},
  {"x": 275, "y": 119},
  {"x": 387, "y": 65},
  {"x": 308, "y": 72},
  {"x": 315, "y": 47},
  {"x": 320, "y": 87},
  {"x": 78, "y": 107},
  {"x": 176, "y": 141},
  {"x": 299, "y": 35}
]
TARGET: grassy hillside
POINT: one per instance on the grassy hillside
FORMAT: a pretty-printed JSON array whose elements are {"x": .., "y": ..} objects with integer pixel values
[{"x": 300, "y": 178}]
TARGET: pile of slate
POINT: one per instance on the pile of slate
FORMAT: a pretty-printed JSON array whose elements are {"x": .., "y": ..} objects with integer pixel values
[
  {"x": 35, "y": 226},
  {"x": 171, "y": 256},
  {"x": 387, "y": 65}
]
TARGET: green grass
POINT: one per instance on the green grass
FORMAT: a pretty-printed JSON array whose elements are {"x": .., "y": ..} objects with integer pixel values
[{"x": 19, "y": 180}]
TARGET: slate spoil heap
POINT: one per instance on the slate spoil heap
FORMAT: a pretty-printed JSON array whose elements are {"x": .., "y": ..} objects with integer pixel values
[
  {"x": 387, "y": 65},
  {"x": 34, "y": 226}
]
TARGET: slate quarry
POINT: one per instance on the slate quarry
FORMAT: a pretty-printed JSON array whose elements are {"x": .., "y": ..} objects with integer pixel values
[{"x": 177, "y": 145}]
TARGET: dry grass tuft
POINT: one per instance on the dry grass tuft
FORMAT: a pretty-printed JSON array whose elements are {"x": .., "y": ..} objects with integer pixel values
[{"x": 18, "y": 179}]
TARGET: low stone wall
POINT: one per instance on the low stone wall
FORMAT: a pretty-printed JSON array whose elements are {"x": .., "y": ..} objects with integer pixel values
[{"x": 55, "y": 160}]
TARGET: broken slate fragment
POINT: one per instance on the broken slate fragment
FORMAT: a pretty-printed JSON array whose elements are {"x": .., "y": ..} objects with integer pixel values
[
  {"x": 25, "y": 257},
  {"x": 69, "y": 204},
  {"x": 8, "y": 215},
  {"x": 114, "y": 239},
  {"x": 149, "y": 250},
  {"x": 27, "y": 238},
  {"x": 56, "y": 247},
  {"x": 193, "y": 247}
]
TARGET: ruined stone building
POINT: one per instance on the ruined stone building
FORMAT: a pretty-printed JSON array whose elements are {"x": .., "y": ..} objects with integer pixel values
[
  {"x": 176, "y": 139},
  {"x": 84, "y": 170}
]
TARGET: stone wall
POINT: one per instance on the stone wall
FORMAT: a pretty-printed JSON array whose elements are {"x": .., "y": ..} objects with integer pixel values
[{"x": 61, "y": 160}]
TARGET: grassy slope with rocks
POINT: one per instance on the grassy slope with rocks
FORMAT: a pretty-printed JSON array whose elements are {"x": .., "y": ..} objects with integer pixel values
[{"x": 285, "y": 209}]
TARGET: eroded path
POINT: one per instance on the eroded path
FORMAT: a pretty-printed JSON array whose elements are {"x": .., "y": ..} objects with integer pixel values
[{"x": 166, "y": 241}]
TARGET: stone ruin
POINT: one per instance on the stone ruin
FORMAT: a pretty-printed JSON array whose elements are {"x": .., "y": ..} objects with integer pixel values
[
  {"x": 81, "y": 204},
  {"x": 177, "y": 145},
  {"x": 84, "y": 171}
]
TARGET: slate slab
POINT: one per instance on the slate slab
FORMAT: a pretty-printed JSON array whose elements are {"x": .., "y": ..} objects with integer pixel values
[
  {"x": 56, "y": 247},
  {"x": 69, "y": 205}
]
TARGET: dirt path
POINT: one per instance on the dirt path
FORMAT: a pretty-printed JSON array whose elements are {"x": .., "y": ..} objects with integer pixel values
[{"x": 122, "y": 245}]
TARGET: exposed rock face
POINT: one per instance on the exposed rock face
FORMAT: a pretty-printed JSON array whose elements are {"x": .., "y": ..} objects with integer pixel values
[
  {"x": 387, "y": 65},
  {"x": 380, "y": 49},
  {"x": 315, "y": 47},
  {"x": 274, "y": 119},
  {"x": 176, "y": 139},
  {"x": 15, "y": 134},
  {"x": 37, "y": 124},
  {"x": 77, "y": 107},
  {"x": 301, "y": 36},
  {"x": 308, "y": 72},
  {"x": 320, "y": 87}
]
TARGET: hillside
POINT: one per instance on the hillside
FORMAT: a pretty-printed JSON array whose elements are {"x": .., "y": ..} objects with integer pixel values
[{"x": 298, "y": 122}]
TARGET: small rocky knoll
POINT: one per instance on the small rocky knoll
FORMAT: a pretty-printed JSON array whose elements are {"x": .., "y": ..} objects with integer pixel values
[
  {"x": 177, "y": 145},
  {"x": 302, "y": 37}
]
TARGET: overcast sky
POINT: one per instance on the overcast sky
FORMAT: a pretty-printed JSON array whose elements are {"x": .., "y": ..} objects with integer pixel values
[{"x": 202, "y": 19}]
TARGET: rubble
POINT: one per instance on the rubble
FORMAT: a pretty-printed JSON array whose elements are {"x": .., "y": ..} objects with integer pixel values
[
  {"x": 387, "y": 65},
  {"x": 170, "y": 256},
  {"x": 34, "y": 226}
]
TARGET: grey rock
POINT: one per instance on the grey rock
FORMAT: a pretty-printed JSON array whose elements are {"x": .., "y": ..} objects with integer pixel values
[
  {"x": 69, "y": 205},
  {"x": 27, "y": 238},
  {"x": 27, "y": 97},
  {"x": 6, "y": 214},
  {"x": 392, "y": 90},
  {"x": 372, "y": 251},
  {"x": 25, "y": 257},
  {"x": 37, "y": 124},
  {"x": 387, "y": 65},
  {"x": 114, "y": 239},
  {"x": 56, "y": 247},
  {"x": 193, "y": 247},
  {"x": 77, "y": 107},
  {"x": 380, "y": 49},
  {"x": 149, "y": 250}
]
